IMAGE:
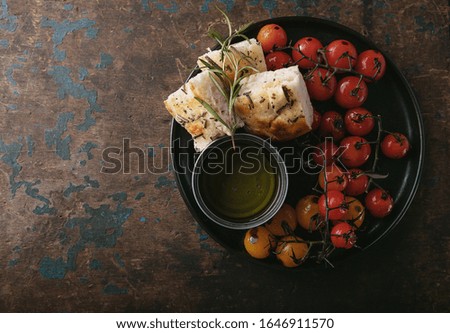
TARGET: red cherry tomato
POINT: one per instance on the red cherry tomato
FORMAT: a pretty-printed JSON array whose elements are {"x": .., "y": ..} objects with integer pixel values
[
  {"x": 278, "y": 59},
  {"x": 336, "y": 205},
  {"x": 332, "y": 124},
  {"x": 272, "y": 36},
  {"x": 351, "y": 92},
  {"x": 372, "y": 64},
  {"x": 395, "y": 145},
  {"x": 335, "y": 177},
  {"x": 357, "y": 182},
  {"x": 341, "y": 54},
  {"x": 325, "y": 150},
  {"x": 379, "y": 203},
  {"x": 317, "y": 117},
  {"x": 359, "y": 121},
  {"x": 305, "y": 48},
  {"x": 343, "y": 236},
  {"x": 356, "y": 151},
  {"x": 321, "y": 84}
]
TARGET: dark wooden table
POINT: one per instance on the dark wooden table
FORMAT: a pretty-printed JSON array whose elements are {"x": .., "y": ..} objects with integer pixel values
[{"x": 80, "y": 76}]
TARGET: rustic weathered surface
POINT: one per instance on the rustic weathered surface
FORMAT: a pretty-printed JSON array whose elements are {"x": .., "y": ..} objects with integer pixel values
[{"x": 80, "y": 76}]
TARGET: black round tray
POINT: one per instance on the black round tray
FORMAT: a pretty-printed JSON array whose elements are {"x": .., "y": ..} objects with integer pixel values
[{"x": 391, "y": 97}]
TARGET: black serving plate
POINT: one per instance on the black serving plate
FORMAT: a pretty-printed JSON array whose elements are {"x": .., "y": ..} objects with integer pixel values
[{"x": 391, "y": 97}]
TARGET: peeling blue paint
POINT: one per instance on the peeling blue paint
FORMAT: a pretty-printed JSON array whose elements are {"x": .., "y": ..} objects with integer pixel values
[
  {"x": 22, "y": 59},
  {"x": 11, "y": 107},
  {"x": 11, "y": 153},
  {"x": 61, "y": 75},
  {"x": 95, "y": 264},
  {"x": 78, "y": 188},
  {"x": 172, "y": 8},
  {"x": 112, "y": 289},
  {"x": 30, "y": 145},
  {"x": 139, "y": 196},
  {"x": 202, "y": 236},
  {"x": 38, "y": 45},
  {"x": 63, "y": 238},
  {"x": 91, "y": 33},
  {"x": 82, "y": 73},
  {"x": 105, "y": 60},
  {"x": 9, "y": 73},
  {"x": 87, "y": 147},
  {"x": 229, "y": 4},
  {"x": 269, "y": 5},
  {"x": 52, "y": 269},
  {"x": 143, "y": 219},
  {"x": 118, "y": 260},
  {"x": 101, "y": 227},
  {"x": 157, "y": 220},
  {"x": 83, "y": 162},
  {"x": 17, "y": 249},
  {"x": 163, "y": 181},
  {"x": 53, "y": 137},
  {"x": 61, "y": 30},
  {"x": 302, "y": 7},
  {"x": 68, "y": 6},
  {"x": 4, "y": 43},
  {"x": 7, "y": 22},
  {"x": 128, "y": 29},
  {"x": 13, "y": 262},
  {"x": 423, "y": 25}
]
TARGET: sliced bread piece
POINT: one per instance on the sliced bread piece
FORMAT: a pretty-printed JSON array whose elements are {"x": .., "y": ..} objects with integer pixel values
[{"x": 275, "y": 104}]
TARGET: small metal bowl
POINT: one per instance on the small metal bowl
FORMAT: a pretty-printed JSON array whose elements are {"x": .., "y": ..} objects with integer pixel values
[{"x": 215, "y": 170}]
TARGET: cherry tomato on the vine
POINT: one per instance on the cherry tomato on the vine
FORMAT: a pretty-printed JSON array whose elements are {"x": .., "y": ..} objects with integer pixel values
[
  {"x": 278, "y": 59},
  {"x": 356, "y": 151},
  {"x": 332, "y": 124},
  {"x": 337, "y": 207},
  {"x": 259, "y": 242},
  {"x": 272, "y": 36},
  {"x": 343, "y": 236},
  {"x": 379, "y": 203},
  {"x": 357, "y": 182},
  {"x": 359, "y": 121},
  {"x": 307, "y": 210},
  {"x": 317, "y": 117},
  {"x": 305, "y": 50},
  {"x": 326, "y": 150},
  {"x": 395, "y": 145},
  {"x": 284, "y": 221},
  {"x": 372, "y": 64},
  {"x": 355, "y": 213},
  {"x": 351, "y": 92},
  {"x": 335, "y": 177},
  {"x": 341, "y": 54},
  {"x": 321, "y": 84},
  {"x": 291, "y": 251}
]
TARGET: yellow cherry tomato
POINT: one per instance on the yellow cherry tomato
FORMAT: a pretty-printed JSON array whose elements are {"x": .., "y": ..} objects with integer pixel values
[
  {"x": 291, "y": 251},
  {"x": 284, "y": 221},
  {"x": 307, "y": 211},
  {"x": 258, "y": 242},
  {"x": 355, "y": 212}
]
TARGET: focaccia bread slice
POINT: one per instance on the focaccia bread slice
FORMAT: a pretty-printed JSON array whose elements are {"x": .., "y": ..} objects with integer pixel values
[
  {"x": 248, "y": 51},
  {"x": 275, "y": 104},
  {"x": 193, "y": 116}
]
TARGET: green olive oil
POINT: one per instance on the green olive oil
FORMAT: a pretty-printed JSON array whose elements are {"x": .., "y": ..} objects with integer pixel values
[{"x": 238, "y": 184}]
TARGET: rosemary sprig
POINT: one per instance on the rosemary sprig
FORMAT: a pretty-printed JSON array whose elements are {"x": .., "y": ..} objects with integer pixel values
[{"x": 228, "y": 76}]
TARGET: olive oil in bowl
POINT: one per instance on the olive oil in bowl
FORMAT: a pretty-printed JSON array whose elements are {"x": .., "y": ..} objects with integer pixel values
[{"x": 240, "y": 187}]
